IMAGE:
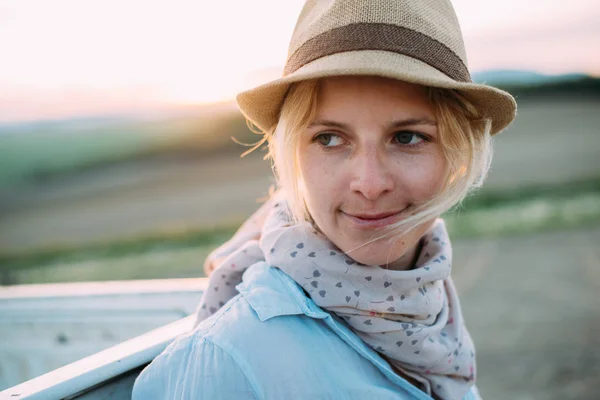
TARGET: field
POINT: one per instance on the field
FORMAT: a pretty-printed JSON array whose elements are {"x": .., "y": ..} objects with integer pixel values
[
  {"x": 526, "y": 246},
  {"x": 151, "y": 211},
  {"x": 553, "y": 144}
]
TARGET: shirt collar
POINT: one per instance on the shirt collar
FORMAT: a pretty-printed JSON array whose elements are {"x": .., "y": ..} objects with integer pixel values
[{"x": 271, "y": 293}]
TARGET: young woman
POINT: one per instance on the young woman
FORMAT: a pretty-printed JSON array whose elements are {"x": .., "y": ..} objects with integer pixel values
[{"x": 339, "y": 286}]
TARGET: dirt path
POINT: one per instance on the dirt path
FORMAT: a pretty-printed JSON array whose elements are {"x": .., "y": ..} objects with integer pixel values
[
  {"x": 133, "y": 199},
  {"x": 532, "y": 306}
]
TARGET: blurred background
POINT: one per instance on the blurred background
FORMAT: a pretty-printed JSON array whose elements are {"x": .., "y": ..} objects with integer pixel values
[{"x": 117, "y": 163}]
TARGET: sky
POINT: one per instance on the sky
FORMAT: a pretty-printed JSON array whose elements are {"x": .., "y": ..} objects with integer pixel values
[{"x": 61, "y": 58}]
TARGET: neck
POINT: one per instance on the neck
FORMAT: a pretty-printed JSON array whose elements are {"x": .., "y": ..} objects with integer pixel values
[{"x": 408, "y": 260}]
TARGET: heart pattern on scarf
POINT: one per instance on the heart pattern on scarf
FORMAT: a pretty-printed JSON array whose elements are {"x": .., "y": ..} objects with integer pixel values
[{"x": 387, "y": 309}]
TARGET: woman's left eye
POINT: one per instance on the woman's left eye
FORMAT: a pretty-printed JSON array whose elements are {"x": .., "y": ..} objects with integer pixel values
[{"x": 409, "y": 138}]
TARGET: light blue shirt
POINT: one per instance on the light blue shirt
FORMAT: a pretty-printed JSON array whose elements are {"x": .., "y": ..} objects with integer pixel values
[{"x": 272, "y": 342}]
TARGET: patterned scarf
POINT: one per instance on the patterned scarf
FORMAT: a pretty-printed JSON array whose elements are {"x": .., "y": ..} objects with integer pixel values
[{"x": 411, "y": 318}]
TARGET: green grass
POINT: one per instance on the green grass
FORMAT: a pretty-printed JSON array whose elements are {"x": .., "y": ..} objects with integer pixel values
[
  {"x": 526, "y": 210},
  {"x": 35, "y": 155},
  {"x": 119, "y": 250},
  {"x": 182, "y": 254},
  {"x": 492, "y": 198},
  {"x": 49, "y": 149},
  {"x": 532, "y": 215},
  {"x": 151, "y": 264}
]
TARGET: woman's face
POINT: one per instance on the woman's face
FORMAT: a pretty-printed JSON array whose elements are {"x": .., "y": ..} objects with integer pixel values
[{"x": 371, "y": 154}]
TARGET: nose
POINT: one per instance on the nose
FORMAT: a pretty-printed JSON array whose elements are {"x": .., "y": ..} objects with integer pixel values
[{"x": 371, "y": 174}]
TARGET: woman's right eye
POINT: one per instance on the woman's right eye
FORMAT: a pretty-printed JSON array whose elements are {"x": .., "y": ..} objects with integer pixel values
[{"x": 328, "y": 139}]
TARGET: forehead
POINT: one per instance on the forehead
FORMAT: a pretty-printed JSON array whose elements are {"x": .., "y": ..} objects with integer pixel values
[{"x": 357, "y": 94}]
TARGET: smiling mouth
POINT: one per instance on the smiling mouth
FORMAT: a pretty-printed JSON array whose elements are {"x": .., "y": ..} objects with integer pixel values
[
  {"x": 373, "y": 216},
  {"x": 373, "y": 221}
]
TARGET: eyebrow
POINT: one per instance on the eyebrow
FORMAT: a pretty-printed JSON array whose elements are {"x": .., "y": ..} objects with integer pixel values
[{"x": 393, "y": 125}]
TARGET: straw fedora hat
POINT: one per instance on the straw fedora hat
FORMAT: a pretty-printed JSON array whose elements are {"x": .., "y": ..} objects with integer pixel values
[{"x": 417, "y": 41}]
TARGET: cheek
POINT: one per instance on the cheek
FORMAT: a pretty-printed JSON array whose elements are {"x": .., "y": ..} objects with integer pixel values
[
  {"x": 426, "y": 177},
  {"x": 321, "y": 181}
]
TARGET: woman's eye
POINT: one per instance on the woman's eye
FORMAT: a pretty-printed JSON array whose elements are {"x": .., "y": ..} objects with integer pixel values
[
  {"x": 409, "y": 138},
  {"x": 328, "y": 139}
]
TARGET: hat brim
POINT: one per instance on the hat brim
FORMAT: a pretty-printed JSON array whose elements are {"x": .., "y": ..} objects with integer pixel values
[{"x": 262, "y": 104}]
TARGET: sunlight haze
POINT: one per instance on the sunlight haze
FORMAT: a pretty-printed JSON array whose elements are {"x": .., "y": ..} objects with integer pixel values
[{"x": 70, "y": 57}]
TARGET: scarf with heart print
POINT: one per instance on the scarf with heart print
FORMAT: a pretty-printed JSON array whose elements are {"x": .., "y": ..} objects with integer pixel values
[{"x": 411, "y": 318}]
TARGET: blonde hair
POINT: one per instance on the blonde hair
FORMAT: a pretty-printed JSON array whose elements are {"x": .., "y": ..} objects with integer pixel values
[{"x": 463, "y": 133}]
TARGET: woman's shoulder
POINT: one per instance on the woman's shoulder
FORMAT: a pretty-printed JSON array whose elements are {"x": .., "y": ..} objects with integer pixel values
[
  {"x": 265, "y": 328},
  {"x": 263, "y": 343},
  {"x": 213, "y": 361},
  {"x": 239, "y": 327},
  {"x": 268, "y": 311},
  {"x": 237, "y": 354},
  {"x": 192, "y": 367}
]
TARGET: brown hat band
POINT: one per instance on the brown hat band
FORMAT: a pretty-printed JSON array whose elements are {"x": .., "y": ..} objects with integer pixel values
[{"x": 379, "y": 36}]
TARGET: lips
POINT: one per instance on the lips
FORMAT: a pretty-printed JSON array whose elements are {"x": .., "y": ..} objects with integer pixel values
[
  {"x": 372, "y": 221},
  {"x": 373, "y": 216}
]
